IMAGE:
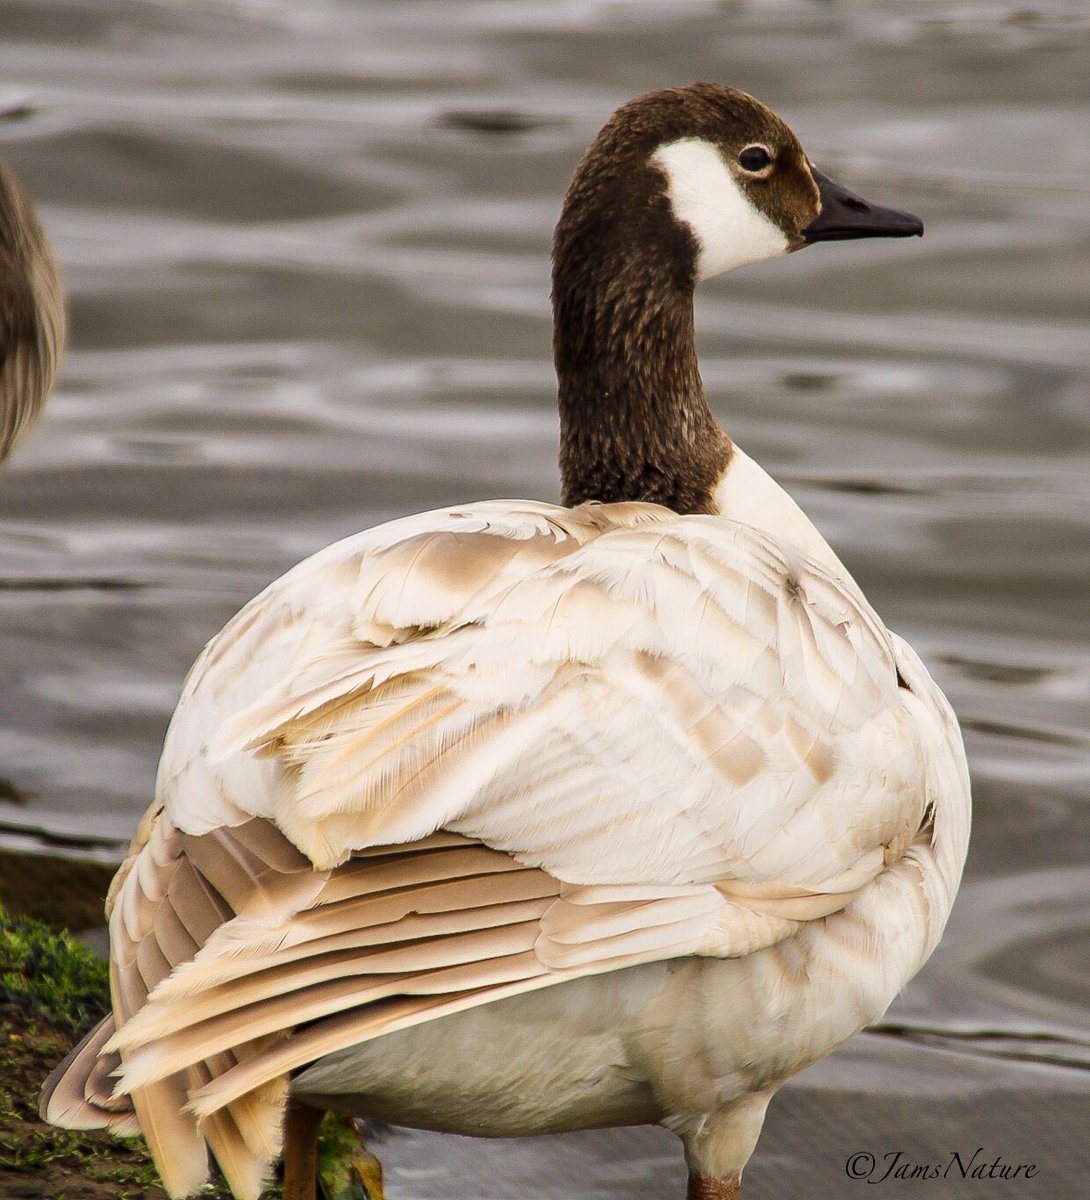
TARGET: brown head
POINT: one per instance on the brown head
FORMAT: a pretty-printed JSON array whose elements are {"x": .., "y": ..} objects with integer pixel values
[{"x": 679, "y": 185}]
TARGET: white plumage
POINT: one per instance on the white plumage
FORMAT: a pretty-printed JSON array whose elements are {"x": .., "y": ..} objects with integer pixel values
[
  {"x": 516, "y": 817},
  {"x": 648, "y": 736}
]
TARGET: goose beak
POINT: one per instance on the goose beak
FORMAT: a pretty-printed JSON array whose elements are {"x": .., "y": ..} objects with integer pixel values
[{"x": 844, "y": 215}]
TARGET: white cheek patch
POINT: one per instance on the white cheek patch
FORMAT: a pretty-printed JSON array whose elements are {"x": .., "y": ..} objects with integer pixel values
[{"x": 730, "y": 230}]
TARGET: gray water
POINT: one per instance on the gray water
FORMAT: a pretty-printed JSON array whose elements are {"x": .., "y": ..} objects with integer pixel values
[{"x": 306, "y": 249}]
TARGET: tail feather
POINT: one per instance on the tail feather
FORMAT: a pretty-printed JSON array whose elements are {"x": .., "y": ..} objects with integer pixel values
[
  {"x": 78, "y": 1093},
  {"x": 176, "y": 1144},
  {"x": 163, "y": 909},
  {"x": 220, "y": 1086}
]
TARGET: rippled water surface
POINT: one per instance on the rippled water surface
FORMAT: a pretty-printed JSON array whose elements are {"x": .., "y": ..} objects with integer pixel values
[{"x": 306, "y": 249}]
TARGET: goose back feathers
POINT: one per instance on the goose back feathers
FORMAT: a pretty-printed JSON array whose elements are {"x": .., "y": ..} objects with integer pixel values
[{"x": 732, "y": 708}]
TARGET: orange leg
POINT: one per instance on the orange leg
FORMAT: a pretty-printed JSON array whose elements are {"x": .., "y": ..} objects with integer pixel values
[
  {"x": 301, "y": 1151},
  {"x": 702, "y": 1188}
]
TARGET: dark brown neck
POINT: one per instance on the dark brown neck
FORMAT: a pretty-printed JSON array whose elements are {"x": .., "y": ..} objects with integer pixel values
[{"x": 634, "y": 421}]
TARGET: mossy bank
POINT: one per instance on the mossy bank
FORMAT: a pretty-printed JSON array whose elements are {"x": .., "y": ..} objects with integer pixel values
[{"x": 52, "y": 988}]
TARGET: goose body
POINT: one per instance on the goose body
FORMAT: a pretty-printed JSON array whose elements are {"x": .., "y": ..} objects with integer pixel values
[
  {"x": 31, "y": 313},
  {"x": 520, "y": 817}
]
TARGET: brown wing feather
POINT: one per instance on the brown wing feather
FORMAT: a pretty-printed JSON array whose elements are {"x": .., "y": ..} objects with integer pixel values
[
  {"x": 77, "y": 1093},
  {"x": 223, "y": 944},
  {"x": 173, "y": 894},
  {"x": 236, "y": 962}
]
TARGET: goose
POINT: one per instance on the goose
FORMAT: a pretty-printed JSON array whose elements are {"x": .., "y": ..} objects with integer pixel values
[
  {"x": 32, "y": 323},
  {"x": 518, "y": 817}
]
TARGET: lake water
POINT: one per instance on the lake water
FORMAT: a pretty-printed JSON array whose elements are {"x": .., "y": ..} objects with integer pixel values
[{"x": 306, "y": 248}]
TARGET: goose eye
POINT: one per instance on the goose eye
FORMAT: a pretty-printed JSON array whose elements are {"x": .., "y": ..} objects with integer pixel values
[{"x": 755, "y": 158}]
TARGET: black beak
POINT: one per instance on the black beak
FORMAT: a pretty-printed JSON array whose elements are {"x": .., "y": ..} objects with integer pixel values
[{"x": 844, "y": 215}]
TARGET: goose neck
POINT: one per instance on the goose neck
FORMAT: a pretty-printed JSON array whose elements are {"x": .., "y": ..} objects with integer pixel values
[{"x": 635, "y": 423}]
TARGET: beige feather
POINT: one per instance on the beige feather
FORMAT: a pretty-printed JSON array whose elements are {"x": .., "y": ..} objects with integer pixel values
[
  {"x": 352, "y": 1029},
  {"x": 77, "y": 1092}
]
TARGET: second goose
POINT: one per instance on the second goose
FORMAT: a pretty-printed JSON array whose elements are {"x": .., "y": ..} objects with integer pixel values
[
  {"x": 516, "y": 817},
  {"x": 32, "y": 323}
]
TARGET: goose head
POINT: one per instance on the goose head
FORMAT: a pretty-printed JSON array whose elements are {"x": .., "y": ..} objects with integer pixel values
[{"x": 679, "y": 185}]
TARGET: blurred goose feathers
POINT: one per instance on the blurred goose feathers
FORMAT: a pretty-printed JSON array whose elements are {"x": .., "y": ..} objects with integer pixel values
[{"x": 32, "y": 321}]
